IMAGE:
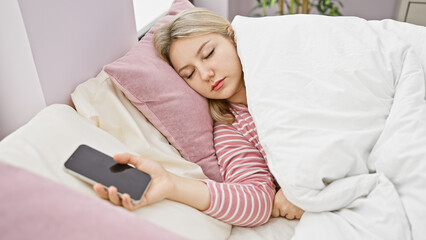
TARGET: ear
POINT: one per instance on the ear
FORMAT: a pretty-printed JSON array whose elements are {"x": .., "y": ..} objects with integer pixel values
[{"x": 231, "y": 35}]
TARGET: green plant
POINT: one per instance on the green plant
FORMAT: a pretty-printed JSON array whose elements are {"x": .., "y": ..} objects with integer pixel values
[{"x": 324, "y": 7}]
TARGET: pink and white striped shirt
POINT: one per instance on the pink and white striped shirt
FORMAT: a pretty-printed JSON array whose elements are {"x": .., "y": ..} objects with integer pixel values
[{"x": 245, "y": 198}]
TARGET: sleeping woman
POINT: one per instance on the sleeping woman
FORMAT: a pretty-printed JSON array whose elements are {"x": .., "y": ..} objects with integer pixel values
[{"x": 200, "y": 46}]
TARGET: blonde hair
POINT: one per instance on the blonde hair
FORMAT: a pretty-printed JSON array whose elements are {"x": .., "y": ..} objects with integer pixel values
[{"x": 190, "y": 23}]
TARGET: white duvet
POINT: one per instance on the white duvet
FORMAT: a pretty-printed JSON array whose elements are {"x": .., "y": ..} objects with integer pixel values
[{"x": 339, "y": 105}]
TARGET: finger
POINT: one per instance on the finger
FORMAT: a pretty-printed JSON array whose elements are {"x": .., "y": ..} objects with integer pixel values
[
  {"x": 299, "y": 213},
  {"x": 126, "y": 158},
  {"x": 282, "y": 213},
  {"x": 113, "y": 195},
  {"x": 127, "y": 202},
  {"x": 275, "y": 212},
  {"x": 287, "y": 214},
  {"x": 100, "y": 190},
  {"x": 145, "y": 165}
]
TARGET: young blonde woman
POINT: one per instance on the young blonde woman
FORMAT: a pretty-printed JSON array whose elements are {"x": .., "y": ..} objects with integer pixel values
[{"x": 200, "y": 46}]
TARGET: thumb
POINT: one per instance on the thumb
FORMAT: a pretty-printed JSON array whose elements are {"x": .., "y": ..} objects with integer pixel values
[
  {"x": 127, "y": 158},
  {"x": 142, "y": 164}
]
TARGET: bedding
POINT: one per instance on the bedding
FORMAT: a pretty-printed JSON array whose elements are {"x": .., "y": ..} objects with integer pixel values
[
  {"x": 101, "y": 102},
  {"x": 339, "y": 106},
  {"x": 344, "y": 131},
  {"x": 176, "y": 110},
  {"x": 107, "y": 121}
]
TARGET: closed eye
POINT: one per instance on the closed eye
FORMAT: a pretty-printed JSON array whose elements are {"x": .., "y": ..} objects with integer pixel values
[
  {"x": 190, "y": 75},
  {"x": 211, "y": 52}
]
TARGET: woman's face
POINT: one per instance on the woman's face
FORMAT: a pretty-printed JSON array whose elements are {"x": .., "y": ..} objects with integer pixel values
[{"x": 210, "y": 65}]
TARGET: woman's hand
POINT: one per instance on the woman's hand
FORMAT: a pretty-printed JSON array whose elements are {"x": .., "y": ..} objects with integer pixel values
[
  {"x": 161, "y": 184},
  {"x": 284, "y": 208}
]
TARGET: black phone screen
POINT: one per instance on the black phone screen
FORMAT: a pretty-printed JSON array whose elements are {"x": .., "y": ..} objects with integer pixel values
[{"x": 95, "y": 166}]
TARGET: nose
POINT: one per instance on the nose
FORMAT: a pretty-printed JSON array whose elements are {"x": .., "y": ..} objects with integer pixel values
[{"x": 206, "y": 73}]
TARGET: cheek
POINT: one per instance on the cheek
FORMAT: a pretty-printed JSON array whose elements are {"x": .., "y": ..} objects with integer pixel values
[
  {"x": 197, "y": 86},
  {"x": 232, "y": 61},
  {"x": 235, "y": 66}
]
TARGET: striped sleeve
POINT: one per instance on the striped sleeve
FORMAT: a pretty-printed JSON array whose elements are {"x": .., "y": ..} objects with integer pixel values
[{"x": 246, "y": 196}]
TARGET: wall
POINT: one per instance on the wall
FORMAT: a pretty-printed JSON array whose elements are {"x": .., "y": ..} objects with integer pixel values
[
  {"x": 21, "y": 96},
  {"x": 48, "y": 47},
  {"x": 226, "y": 8},
  {"x": 368, "y": 9},
  {"x": 147, "y": 12},
  {"x": 221, "y": 7}
]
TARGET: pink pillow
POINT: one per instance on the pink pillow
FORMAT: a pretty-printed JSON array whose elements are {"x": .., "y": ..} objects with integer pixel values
[{"x": 176, "y": 110}]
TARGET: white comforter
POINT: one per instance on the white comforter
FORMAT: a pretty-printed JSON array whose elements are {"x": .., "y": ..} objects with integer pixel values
[{"x": 339, "y": 105}]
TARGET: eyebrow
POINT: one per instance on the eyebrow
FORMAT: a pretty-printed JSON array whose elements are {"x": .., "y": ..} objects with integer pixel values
[{"x": 198, "y": 52}]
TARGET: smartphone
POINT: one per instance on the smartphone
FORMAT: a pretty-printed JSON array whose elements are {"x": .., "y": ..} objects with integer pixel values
[{"x": 93, "y": 166}]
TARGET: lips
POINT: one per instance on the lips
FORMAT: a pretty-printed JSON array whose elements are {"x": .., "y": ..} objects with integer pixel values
[{"x": 218, "y": 85}]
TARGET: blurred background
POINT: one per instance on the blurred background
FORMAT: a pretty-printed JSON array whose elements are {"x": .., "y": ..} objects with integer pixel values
[
  {"x": 412, "y": 11},
  {"x": 368, "y": 9}
]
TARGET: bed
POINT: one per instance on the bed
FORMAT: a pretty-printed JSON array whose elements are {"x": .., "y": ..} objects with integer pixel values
[{"x": 357, "y": 167}]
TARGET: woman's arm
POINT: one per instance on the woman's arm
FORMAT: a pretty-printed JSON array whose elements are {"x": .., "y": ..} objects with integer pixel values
[
  {"x": 245, "y": 197},
  {"x": 164, "y": 185},
  {"x": 191, "y": 192}
]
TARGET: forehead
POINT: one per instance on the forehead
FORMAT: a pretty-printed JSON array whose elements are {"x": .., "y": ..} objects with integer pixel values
[
  {"x": 185, "y": 48},
  {"x": 190, "y": 43}
]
